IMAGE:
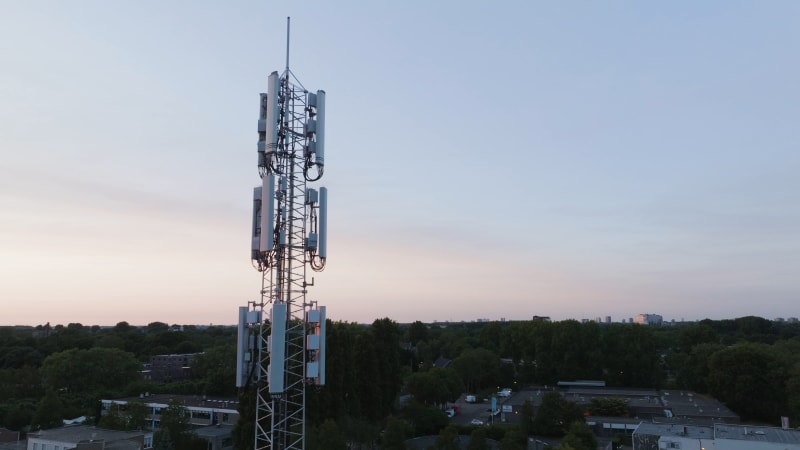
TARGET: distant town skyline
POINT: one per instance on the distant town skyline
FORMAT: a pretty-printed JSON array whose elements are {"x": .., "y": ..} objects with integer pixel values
[{"x": 505, "y": 159}]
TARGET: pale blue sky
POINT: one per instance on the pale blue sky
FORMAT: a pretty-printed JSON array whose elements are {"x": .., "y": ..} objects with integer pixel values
[{"x": 489, "y": 160}]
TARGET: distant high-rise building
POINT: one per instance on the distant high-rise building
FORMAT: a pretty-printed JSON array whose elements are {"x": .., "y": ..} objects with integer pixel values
[
  {"x": 608, "y": 319},
  {"x": 649, "y": 319}
]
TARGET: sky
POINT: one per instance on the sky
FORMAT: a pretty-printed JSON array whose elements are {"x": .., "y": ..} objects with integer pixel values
[{"x": 493, "y": 160}]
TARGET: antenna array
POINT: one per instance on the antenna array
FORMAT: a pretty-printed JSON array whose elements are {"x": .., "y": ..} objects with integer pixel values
[{"x": 281, "y": 346}]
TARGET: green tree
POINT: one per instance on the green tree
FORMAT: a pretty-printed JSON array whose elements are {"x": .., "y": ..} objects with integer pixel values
[
  {"x": 478, "y": 368},
  {"x": 693, "y": 373},
  {"x": 555, "y": 414},
  {"x": 90, "y": 370},
  {"x": 138, "y": 414},
  {"x": 175, "y": 426},
  {"x": 477, "y": 440},
  {"x": 426, "y": 419},
  {"x": 580, "y": 437},
  {"x": 216, "y": 366},
  {"x": 112, "y": 419},
  {"x": 18, "y": 416},
  {"x": 396, "y": 433},
  {"x": 436, "y": 386},
  {"x": 417, "y": 332},
  {"x": 513, "y": 440},
  {"x": 448, "y": 439},
  {"x": 695, "y": 334},
  {"x": 243, "y": 432},
  {"x": 48, "y": 413},
  {"x": 526, "y": 415},
  {"x": 750, "y": 379},
  {"x": 386, "y": 336},
  {"x": 163, "y": 441},
  {"x": 330, "y": 437}
]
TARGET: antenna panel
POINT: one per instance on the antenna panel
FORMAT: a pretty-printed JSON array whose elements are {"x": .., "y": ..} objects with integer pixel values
[
  {"x": 273, "y": 113},
  {"x": 320, "y": 138},
  {"x": 241, "y": 348},
  {"x": 322, "y": 245},
  {"x": 277, "y": 350},
  {"x": 256, "y": 229},
  {"x": 267, "y": 239}
]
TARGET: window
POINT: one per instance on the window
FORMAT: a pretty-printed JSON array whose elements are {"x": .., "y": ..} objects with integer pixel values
[{"x": 201, "y": 415}]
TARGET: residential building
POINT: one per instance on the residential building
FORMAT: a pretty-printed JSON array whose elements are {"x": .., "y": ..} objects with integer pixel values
[{"x": 169, "y": 368}]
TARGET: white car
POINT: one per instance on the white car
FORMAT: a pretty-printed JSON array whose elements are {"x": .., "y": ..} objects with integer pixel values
[{"x": 476, "y": 422}]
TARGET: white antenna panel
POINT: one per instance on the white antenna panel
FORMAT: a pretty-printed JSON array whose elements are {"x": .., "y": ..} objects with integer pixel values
[
  {"x": 267, "y": 240},
  {"x": 277, "y": 351},
  {"x": 241, "y": 348},
  {"x": 271, "y": 138},
  {"x": 322, "y": 245},
  {"x": 256, "y": 230},
  {"x": 320, "y": 154},
  {"x": 321, "y": 352}
]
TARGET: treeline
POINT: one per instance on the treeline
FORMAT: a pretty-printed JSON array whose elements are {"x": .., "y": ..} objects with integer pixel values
[
  {"x": 53, "y": 373},
  {"x": 387, "y": 382},
  {"x": 750, "y": 363}
]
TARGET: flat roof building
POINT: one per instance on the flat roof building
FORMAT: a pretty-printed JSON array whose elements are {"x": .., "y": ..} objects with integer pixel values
[
  {"x": 85, "y": 436},
  {"x": 656, "y": 436}
]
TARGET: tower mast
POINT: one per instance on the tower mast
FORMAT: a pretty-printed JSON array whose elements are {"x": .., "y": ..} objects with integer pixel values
[{"x": 282, "y": 335}]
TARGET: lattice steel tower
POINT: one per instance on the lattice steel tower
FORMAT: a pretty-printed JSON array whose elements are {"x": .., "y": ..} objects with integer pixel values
[{"x": 282, "y": 335}]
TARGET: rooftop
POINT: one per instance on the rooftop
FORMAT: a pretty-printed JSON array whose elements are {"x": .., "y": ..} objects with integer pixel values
[
  {"x": 757, "y": 434},
  {"x": 85, "y": 433},
  {"x": 668, "y": 429},
  {"x": 196, "y": 401}
]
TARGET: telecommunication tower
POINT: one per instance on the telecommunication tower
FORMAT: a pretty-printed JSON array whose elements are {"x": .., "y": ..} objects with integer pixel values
[{"x": 281, "y": 344}]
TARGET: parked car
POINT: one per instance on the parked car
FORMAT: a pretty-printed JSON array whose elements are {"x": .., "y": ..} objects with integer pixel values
[{"x": 476, "y": 422}]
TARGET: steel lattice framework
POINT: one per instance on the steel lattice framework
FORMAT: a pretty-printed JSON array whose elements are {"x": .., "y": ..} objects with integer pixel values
[
  {"x": 280, "y": 418},
  {"x": 281, "y": 343}
]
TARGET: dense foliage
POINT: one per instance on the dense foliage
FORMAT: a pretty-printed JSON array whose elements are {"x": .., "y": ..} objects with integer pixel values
[
  {"x": 52, "y": 373},
  {"x": 387, "y": 381}
]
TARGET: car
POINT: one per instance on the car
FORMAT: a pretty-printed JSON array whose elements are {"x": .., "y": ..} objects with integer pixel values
[{"x": 476, "y": 422}]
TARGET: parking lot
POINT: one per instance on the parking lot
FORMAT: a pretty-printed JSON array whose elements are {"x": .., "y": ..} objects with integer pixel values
[{"x": 467, "y": 412}]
